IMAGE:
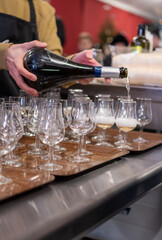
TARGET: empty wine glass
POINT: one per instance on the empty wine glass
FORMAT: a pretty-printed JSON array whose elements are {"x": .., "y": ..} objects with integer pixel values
[
  {"x": 21, "y": 100},
  {"x": 51, "y": 132},
  {"x": 144, "y": 116},
  {"x": 126, "y": 120},
  {"x": 65, "y": 116},
  {"x": 105, "y": 117},
  {"x": 80, "y": 123},
  {"x": 85, "y": 152},
  {"x": 11, "y": 158},
  {"x": 34, "y": 114}
]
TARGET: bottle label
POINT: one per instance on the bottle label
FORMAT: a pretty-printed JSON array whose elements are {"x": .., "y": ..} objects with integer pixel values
[
  {"x": 137, "y": 48},
  {"x": 97, "y": 72}
]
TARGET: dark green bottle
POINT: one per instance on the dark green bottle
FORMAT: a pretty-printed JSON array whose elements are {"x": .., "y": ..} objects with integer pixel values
[
  {"x": 140, "y": 43},
  {"x": 53, "y": 70}
]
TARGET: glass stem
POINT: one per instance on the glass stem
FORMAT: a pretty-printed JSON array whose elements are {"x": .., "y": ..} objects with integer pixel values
[
  {"x": 104, "y": 134},
  {"x": 10, "y": 155},
  {"x": 83, "y": 142},
  {"x": 120, "y": 135},
  {"x": 125, "y": 138},
  {"x": 141, "y": 131},
  {"x": 79, "y": 145},
  {"x": 36, "y": 141},
  {"x": 50, "y": 153}
]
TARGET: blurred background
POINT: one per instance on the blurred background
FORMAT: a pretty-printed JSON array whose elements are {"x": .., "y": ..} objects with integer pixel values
[{"x": 104, "y": 19}]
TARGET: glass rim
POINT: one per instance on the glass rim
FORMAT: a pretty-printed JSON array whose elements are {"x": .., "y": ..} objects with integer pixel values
[
  {"x": 128, "y": 100},
  {"x": 140, "y": 98}
]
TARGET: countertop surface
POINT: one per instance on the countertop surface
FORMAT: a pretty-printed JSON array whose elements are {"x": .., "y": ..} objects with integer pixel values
[{"x": 69, "y": 207}]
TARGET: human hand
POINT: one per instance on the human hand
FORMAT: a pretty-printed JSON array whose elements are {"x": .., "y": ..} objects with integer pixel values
[
  {"x": 14, "y": 61},
  {"x": 85, "y": 57}
]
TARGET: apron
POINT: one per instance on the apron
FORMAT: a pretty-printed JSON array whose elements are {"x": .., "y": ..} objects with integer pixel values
[{"x": 15, "y": 30}]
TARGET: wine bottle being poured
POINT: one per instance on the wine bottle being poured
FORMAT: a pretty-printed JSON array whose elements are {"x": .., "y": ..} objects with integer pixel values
[{"x": 53, "y": 70}]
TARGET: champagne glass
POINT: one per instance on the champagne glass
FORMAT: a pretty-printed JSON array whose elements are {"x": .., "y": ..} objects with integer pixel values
[
  {"x": 80, "y": 123},
  {"x": 144, "y": 116},
  {"x": 51, "y": 132},
  {"x": 105, "y": 117},
  {"x": 119, "y": 137},
  {"x": 36, "y": 106},
  {"x": 99, "y": 136},
  {"x": 11, "y": 158},
  {"x": 126, "y": 120}
]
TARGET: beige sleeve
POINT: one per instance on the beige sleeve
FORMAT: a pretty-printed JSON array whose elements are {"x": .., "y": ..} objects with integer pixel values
[
  {"x": 3, "y": 52},
  {"x": 46, "y": 27}
]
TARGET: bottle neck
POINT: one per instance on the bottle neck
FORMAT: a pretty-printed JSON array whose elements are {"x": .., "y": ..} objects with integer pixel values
[
  {"x": 111, "y": 72},
  {"x": 141, "y": 32}
]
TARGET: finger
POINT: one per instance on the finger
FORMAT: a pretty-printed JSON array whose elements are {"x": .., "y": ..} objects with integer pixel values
[
  {"x": 25, "y": 73},
  {"x": 20, "y": 82},
  {"x": 85, "y": 81},
  {"x": 35, "y": 43},
  {"x": 107, "y": 80}
]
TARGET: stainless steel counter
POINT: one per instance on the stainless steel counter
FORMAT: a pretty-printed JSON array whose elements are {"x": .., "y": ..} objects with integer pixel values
[{"x": 68, "y": 208}]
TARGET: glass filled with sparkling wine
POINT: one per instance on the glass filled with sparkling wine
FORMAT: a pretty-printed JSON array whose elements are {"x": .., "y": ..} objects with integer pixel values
[
  {"x": 126, "y": 120},
  {"x": 105, "y": 118}
]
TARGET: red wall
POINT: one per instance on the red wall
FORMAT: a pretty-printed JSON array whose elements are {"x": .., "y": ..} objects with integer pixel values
[{"x": 89, "y": 15}]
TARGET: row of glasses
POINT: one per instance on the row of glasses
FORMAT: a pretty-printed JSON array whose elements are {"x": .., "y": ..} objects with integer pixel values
[
  {"x": 107, "y": 115},
  {"x": 7, "y": 136}
]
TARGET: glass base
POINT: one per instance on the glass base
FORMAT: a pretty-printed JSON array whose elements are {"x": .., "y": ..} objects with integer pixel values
[
  {"x": 50, "y": 167},
  {"x": 37, "y": 151},
  {"x": 121, "y": 142},
  {"x": 4, "y": 180},
  {"x": 32, "y": 146},
  {"x": 124, "y": 146},
  {"x": 79, "y": 159},
  {"x": 14, "y": 158},
  {"x": 54, "y": 157},
  {"x": 12, "y": 163},
  {"x": 84, "y": 152},
  {"x": 140, "y": 140},
  {"x": 106, "y": 144}
]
